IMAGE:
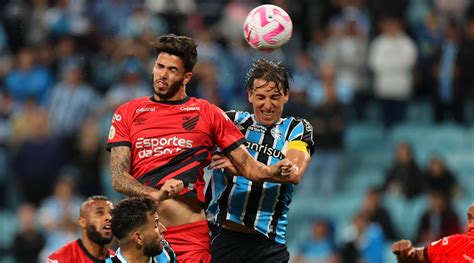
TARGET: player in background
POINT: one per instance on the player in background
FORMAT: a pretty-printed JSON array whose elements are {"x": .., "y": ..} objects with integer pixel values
[
  {"x": 454, "y": 248},
  {"x": 161, "y": 144},
  {"x": 136, "y": 225},
  {"x": 250, "y": 216},
  {"x": 94, "y": 220}
]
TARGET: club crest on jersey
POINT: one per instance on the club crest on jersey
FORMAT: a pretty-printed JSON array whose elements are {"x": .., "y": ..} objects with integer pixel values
[
  {"x": 276, "y": 133},
  {"x": 191, "y": 123}
]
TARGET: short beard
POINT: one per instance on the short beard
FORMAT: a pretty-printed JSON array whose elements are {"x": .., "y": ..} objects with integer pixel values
[
  {"x": 173, "y": 89},
  {"x": 95, "y": 236},
  {"x": 152, "y": 249}
]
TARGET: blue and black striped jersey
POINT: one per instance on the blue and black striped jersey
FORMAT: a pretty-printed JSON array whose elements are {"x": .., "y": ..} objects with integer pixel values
[{"x": 259, "y": 205}]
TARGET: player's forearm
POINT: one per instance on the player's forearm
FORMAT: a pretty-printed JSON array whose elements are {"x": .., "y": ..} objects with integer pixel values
[
  {"x": 122, "y": 181},
  {"x": 252, "y": 169}
]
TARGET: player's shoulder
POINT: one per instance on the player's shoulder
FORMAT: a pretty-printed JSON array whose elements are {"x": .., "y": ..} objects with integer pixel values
[
  {"x": 295, "y": 121},
  {"x": 238, "y": 116},
  {"x": 64, "y": 252},
  {"x": 134, "y": 103}
]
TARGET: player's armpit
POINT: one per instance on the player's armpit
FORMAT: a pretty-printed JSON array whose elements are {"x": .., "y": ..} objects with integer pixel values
[{"x": 122, "y": 181}]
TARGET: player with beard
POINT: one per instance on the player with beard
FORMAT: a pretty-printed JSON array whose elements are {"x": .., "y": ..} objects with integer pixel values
[
  {"x": 161, "y": 144},
  {"x": 454, "y": 248},
  {"x": 136, "y": 225},
  {"x": 94, "y": 220}
]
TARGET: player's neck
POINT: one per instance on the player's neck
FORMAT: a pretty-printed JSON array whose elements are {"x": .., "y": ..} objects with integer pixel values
[
  {"x": 133, "y": 255},
  {"x": 177, "y": 97},
  {"x": 96, "y": 250}
]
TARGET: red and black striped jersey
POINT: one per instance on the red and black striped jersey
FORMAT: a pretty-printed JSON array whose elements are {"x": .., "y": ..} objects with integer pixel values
[
  {"x": 456, "y": 249},
  {"x": 172, "y": 139},
  {"x": 75, "y": 252}
]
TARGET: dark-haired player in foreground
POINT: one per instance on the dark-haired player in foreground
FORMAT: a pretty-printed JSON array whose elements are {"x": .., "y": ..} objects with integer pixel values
[
  {"x": 455, "y": 248},
  {"x": 136, "y": 225},
  {"x": 250, "y": 215},
  {"x": 161, "y": 144},
  {"x": 94, "y": 220}
]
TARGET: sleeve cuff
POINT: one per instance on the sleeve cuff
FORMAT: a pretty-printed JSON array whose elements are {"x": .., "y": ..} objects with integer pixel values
[
  {"x": 234, "y": 146},
  {"x": 116, "y": 144}
]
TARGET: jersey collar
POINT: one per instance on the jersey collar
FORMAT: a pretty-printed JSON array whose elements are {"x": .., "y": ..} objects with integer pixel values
[
  {"x": 122, "y": 259},
  {"x": 89, "y": 255},
  {"x": 174, "y": 102}
]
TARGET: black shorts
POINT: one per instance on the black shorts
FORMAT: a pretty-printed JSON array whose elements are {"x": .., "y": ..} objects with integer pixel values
[{"x": 235, "y": 247}]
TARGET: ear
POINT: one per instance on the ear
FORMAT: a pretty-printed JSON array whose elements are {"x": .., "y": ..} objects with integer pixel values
[
  {"x": 286, "y": 96},
  {"x": 82, "y": 222},
  {"x": 250, "y": 96},
  {"x": 137, "y": 238},
  {"x": 187, "y": 77}
]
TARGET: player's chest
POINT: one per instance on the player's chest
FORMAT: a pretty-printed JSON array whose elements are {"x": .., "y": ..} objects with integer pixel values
[{"x": 155, "y": 123}]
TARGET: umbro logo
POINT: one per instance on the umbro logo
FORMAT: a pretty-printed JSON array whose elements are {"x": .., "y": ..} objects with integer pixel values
[{"x": 189, "y": 124}]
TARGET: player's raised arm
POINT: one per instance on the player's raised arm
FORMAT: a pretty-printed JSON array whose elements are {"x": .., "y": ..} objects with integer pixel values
[
  {"x": 407, "y": 253},
  {"x": 256, "y": 171},
  {"x": 123, "y": 182}
]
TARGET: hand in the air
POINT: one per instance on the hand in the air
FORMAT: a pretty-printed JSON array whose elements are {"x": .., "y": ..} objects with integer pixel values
[{"x": 404, "y": 250}]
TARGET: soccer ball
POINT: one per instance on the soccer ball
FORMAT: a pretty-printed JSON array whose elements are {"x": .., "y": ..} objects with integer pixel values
[{"x": 267, "y": 27}]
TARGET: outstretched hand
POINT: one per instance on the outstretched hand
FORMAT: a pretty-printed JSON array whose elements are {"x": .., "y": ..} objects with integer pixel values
[{"x": 404, "y": 250}]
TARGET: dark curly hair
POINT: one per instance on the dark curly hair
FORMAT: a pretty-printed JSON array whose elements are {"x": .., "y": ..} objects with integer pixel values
[
  {"x": 181, "y": 46},
  {"x": 270, "y": 71},
  {"x": 131, "y": 213}
]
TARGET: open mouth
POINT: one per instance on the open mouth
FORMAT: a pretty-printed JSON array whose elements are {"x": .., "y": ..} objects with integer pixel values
[
  {"x": 107, "y": 228},
  {"x": 162, "y": 84}
]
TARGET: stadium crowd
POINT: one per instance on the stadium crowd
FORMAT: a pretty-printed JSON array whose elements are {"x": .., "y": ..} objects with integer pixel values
[{"x": 371, "y": 66}]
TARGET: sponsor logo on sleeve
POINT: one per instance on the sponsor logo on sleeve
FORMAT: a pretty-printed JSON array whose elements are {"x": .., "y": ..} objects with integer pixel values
[
  {"x": 149, "y": 109},
  {"x": 111, "y": 132}
]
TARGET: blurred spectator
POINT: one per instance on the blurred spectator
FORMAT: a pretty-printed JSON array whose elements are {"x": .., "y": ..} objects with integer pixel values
[
  {"x": 105, "y": 64},
  {"x": 428, "y": 37},
  {"x": 14, "y": 19},
  {"x": 447, "y": 96},
  {"x": 438, "y": 221},
  {"x": 28, "y": 79},
  {"x": 348, "y": 52},
  {"x": 320, "y": 246},
  {"x": 38, "y": 159},
  {"x": 208, "y": 86},
  {"x": 109, "y": 15},
  {"x": 329, "y": 122},
  {"x": 465, "y": 61},
  {"x": 131, "y": 86},
  {"x": 404, "y": 176},
  {"x": 439, "y": 178},
  {"x": 392, "y": 56},
  {"x": 86, "y": 160},
  {"x": 28, "y": 242},
  {"x": 72, "y": 101},
  {"x": 23, "y": 122},
  {"x": 372, "y": 206},
  {"x": 37, "y": 29},
  {"x": 58, "y": 215},
  {"x": 68, "y": 18},
  {"x": 363, "y": 241},
  {"x": 328, "y": 79},
  {"x": 303, "y": 74},
  {"x": 142, "y": 24},
  {"x": 175, "y": 11}
]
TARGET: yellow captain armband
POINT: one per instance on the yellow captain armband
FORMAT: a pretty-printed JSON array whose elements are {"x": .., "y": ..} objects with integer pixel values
[{"x": 298, "y": 145}]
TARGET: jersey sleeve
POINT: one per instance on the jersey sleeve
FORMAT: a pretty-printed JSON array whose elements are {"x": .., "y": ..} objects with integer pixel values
[
  {"x": 119, "y": 133},
  {"x": 443, "y": 249},
  {"x": 302, "y": 131},
  {"x": 227, "y": 136}
]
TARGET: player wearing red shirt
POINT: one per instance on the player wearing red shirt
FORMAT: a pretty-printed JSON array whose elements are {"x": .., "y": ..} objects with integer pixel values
[
  {"x": 161, "y": 144},
  {"x": 94, "y": 219},
  {"x": 451, "y": 249}
]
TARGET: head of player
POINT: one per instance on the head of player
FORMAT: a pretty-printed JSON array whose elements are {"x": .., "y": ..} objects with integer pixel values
[
  {"x": 95, "y": 221},
  {"x": 176, "y": 57},
  {"x": 136, "y": 225},
  {"x": 268, "y": 90}
]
